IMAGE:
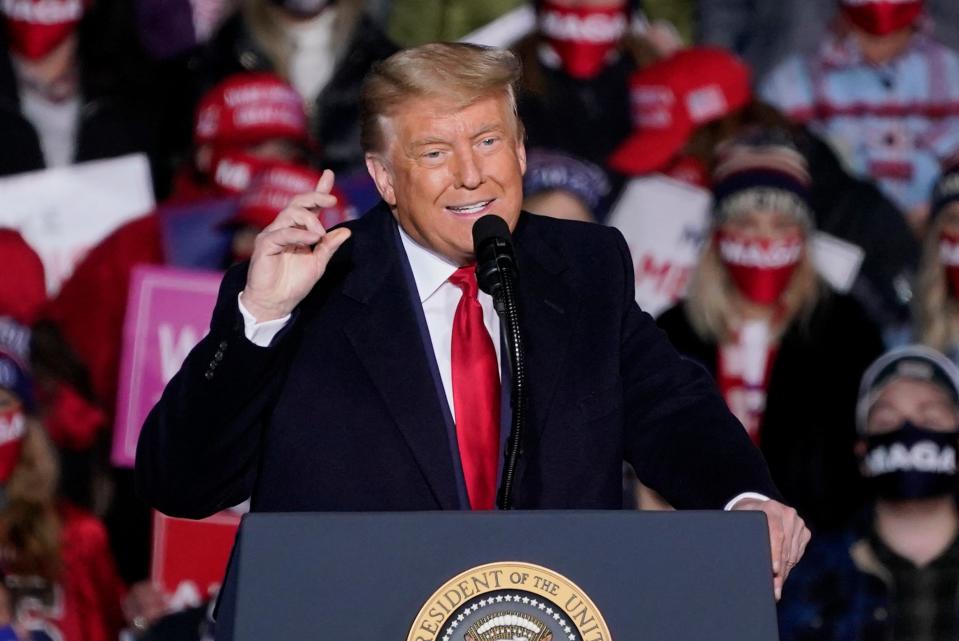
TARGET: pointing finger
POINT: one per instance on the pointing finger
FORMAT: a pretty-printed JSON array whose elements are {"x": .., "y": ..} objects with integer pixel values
[{"x": 325, "y": 184}]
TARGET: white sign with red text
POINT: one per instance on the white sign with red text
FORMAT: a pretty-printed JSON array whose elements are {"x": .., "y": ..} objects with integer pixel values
[
  {"x": 665, "y": 223},
  {"x": 64, "y": 211}
]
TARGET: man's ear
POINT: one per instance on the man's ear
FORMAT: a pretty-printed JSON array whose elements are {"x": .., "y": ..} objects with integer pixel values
[
  {"x": 521, "y": 155},
  {"x": 382, "y": 175}
]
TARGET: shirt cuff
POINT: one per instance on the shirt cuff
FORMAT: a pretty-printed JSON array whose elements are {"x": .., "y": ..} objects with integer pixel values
[
  {"x": 745, "y": 495},
  {"x": 260, "y": 334}
]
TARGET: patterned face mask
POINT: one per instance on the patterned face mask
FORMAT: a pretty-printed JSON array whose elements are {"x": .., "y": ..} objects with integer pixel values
[
  {"x": 949, "y": 255},
  {"x": 761, "y": 268},
  {"x": 881, "y": 17},
  {"x": 12, "y": 428},
  {"x": 911, "y": 462},
  {"x": 37, "y": 27},
  {"x": 584, "y": 38}
]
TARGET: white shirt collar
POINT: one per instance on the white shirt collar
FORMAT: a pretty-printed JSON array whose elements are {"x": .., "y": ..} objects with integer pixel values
[{"x": 430, "y": 270}]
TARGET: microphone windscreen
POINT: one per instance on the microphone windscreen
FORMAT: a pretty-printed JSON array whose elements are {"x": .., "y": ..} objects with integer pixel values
[{"x": 489, "y": 227}]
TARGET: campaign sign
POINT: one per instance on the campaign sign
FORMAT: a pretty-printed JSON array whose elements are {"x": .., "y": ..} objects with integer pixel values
[
  {"x": 665, "y": 223},
  {"x": 64, "y": 211},
  {"x": 168, "y": 312},
  {"x": 190, "y": 557}
]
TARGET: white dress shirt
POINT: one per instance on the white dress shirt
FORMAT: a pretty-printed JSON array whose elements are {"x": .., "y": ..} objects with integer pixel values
[{"x": 439, "y": 298}]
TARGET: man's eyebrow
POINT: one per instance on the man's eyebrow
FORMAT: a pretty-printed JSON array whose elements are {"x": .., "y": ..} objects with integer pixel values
[
  {"x": 435, "y": 140},
  {"x": 429, "y": 140},
  {"x": 488, "y": 128}
]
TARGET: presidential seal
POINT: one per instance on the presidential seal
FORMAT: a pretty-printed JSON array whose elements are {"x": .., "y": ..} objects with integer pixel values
[{"x": 509, "y": 601}]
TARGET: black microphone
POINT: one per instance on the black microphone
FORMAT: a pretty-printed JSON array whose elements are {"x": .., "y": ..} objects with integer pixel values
[
  {"x": 496, "y": 275},
  {"x": 494, "y": 256}
]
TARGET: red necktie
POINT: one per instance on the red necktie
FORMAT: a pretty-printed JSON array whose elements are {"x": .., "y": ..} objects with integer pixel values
[{"x": 475, "y": 393}]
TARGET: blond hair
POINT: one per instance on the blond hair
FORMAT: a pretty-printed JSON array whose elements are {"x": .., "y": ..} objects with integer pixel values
[
  {"x": 29, "y": 525},
  {"x": 459, "y": 72},
  {"x": 937, "y": 312},
  {"x": 711, "y": 304}
]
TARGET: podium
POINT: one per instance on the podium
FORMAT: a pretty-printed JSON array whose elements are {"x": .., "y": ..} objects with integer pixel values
[{"x": 484, "y": 576}]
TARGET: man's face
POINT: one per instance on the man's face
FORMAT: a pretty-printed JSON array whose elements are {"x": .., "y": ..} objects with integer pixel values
[{"x": 447, "y": 166}]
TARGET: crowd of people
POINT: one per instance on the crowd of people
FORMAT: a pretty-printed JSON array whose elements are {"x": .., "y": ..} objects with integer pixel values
[{"x": 809, "y": 125}]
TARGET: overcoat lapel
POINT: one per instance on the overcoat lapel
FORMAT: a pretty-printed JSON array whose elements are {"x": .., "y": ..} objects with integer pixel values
[
  {"x": 549, "y": 308},
  {"x": 387, "y": 340}
]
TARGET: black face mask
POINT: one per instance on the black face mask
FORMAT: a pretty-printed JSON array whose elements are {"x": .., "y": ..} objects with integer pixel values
[
  {"x": 303, "y": 8},
  {"x": 911, "y": 462}
]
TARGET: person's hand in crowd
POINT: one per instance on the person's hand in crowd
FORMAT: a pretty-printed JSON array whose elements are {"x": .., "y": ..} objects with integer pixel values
[
  {"x": 291, "y": 255},
  {"x": 143, "y": 605},
  {"x": 788, "y": 536}
]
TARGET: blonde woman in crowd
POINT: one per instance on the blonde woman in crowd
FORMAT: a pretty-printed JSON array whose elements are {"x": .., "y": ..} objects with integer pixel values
[
  {"x": 785, "y": 351},
  {"x": 937, "y": 291},
  {"x": 321, "y": 47},
  {"x": 59, "y": 579}
]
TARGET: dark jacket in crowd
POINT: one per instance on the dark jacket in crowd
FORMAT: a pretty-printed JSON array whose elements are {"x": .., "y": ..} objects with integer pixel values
[
  {"x": 119, "y": 113},
  {"x": 856, "y": 211},
  {"x": 584, "y": 118},
  {"x": 334, "y": 117},
  {"x": 808, "y": 430},
  {"x": 844, "y": 588}
]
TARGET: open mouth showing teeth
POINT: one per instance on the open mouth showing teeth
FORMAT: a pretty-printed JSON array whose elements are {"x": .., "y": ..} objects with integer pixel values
[{"x": 468, "y": 210}]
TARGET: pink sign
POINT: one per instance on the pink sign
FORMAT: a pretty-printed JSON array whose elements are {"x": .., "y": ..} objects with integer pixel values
[{"x": 168, "y": 312}]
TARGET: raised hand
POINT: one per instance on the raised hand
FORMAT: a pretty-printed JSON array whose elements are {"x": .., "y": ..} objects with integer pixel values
[{"x": 291, "y": 255}]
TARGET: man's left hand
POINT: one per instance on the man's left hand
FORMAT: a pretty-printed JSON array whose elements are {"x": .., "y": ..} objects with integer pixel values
[{"x": 788, "y": 536}]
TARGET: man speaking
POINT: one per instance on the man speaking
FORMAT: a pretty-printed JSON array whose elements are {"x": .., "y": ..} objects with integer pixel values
[{"x": 361, "y": 368}]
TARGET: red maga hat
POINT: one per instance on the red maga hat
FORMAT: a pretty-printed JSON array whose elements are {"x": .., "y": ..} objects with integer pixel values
[
  {"x": 273, "y": 188},
  {"x": 250, "y": 108},
  {"x": 672, "y": 97}
]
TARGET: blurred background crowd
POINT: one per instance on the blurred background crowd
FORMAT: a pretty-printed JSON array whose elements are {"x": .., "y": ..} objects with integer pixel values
[{"x": 786, "y": 175}]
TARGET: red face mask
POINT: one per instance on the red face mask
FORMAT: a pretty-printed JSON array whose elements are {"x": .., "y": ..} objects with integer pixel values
[
  {"x": 12, "y": 426},
  {"x": 231, "y": 170},
  {"x": 949, "y": 255},
  {"x": 583, "y": 37},
  {"x": 761, "y": 268},
  {"x": 37, "y": 27},
  {"x": 881, "y": 17}
]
